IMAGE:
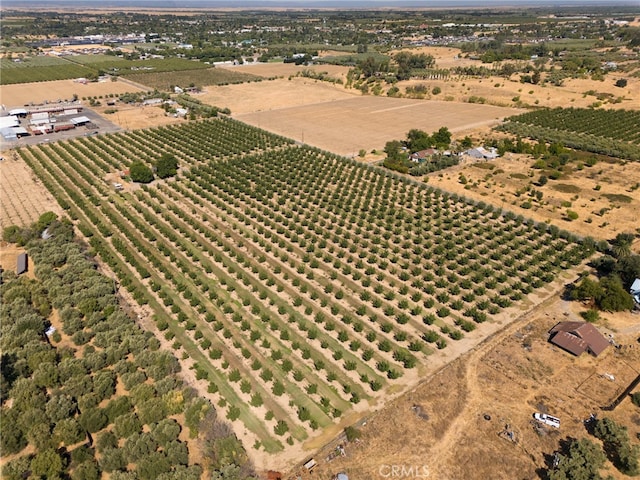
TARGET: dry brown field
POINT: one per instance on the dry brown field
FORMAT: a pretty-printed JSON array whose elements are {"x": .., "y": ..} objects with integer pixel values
[
  {"x": 585, "y": 190},
  {"x": 273, "y": 95},
  {"x": 367, "y": 122},
  {"x": 132, "y": 117},
  {"x": 40, "y": 92},
  {"x": 440, "y": 427},
  {"x": 22, "y": 197},
  {"x": 500, "y": 91}
]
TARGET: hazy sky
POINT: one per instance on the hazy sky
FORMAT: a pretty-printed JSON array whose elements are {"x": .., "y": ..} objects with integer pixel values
[{"x": 334, "y": 3}]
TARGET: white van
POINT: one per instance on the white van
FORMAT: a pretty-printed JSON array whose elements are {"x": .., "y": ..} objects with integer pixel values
[
  {"x": 118, "y": 186},
  {"x": 547, "y": 419}
]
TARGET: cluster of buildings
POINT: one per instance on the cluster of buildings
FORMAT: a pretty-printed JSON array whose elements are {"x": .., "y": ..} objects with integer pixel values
[
  {"x": 40, "y": 120},
  {"x": 479, "y": 153}
]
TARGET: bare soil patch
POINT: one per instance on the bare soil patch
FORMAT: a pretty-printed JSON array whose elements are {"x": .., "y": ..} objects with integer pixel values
[
  {"x": 132, "y": 117},
  {"x": 40, "y": 92},
  {"x": 598, "y": 215},
  {"x": 22, "y": 197},
  {"x": 274, "y": 95}
]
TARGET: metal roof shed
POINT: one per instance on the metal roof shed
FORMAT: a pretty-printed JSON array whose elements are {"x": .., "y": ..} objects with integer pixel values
[
  {"x": 23, "y": 263},
  {"x": 80, "y": 120},
  {"x": 8, "y": 133},
  {"x": 578, "y": 337}
]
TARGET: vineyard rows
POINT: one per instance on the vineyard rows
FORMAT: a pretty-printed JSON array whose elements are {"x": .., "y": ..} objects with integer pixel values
[{"x": 301, "y": 283}]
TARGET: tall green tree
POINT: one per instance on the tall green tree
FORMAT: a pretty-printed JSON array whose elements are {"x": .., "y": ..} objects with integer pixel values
[
  {"x": 140, "y": 173},
  {"x": 582, "y": 462},
  {"x": 166, "y": 166}
]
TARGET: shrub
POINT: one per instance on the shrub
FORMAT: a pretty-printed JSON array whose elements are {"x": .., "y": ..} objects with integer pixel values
[
  {"x": 352, "y": 433},
  {"x": 140, "y": 173},
  {"x": 591, "y": 315}
]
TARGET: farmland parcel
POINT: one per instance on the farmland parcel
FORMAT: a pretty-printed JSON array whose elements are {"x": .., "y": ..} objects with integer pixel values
[{"x": 302, "y": 284}]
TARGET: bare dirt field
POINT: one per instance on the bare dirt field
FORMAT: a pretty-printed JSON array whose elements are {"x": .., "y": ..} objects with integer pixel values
[
  {"x": 473, "y": 419},
  {"x": 132, "y": 117},
  {"x": 274, "y": 95},
  {"x": 22, "y": 197},
  {"x": 40, "y": 92},
  {"x": 349, "y": 125},
  {"x": 591, "y": 192}
]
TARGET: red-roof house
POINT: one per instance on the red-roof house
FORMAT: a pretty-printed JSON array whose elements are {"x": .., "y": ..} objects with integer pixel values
[{"x": 578, "y": 337}]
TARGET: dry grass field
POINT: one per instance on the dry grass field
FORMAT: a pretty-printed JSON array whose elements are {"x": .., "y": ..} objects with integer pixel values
[
  {"x": 509, "y": 377},
  {"x": 604, "y": 196},
  {"x": 35, "y": 93},
  {"x": 367, "y": 122},
  {"x": 22, "y": 197},
  {"x": 132, "y": 117},
  {"x": 501, "y": 91},
  {"x": 277, "y": 94}
]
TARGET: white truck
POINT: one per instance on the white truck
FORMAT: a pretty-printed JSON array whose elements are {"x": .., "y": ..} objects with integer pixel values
[{"x": 547, "y": 419}]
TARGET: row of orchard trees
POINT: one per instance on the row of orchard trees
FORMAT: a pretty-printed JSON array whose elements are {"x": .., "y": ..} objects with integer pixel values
[
  {"x": 98, "y": 394},
  {"x": 608, "y": 132}
]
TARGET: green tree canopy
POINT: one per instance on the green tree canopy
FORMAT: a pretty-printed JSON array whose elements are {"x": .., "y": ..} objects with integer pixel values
[
  {"x": 166, "y": 166},
  {"x": 614, "y": 297},
  {"x": 140, "y": 173},
  {"x": 582, "y": 462}
]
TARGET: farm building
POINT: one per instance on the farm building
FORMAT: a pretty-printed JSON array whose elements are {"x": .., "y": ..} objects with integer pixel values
[
  {"x": 23, "y": 263},
  {"x": 38, "y": 116},
  {"x": 9, "y": 121},
  {"x": 80, "y": 120},
  {"x": 482, "y": 153},
  {"x": 12, "y": 133},
  {"x": 19, "y": 112},
  {"x": 422, "y": 155},
  {"x": 8, "y": 133},
  {"x": 578, "y": 337}
]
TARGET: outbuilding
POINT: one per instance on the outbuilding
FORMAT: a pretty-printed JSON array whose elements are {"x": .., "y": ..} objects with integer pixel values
[
  {"x": 23, "y": 264},
  {"x": 9, "y": 121},
  {"x": 8, "y": 133},
  {"x": 483, "y": 153},
  {"x": 578, "y": 337},
  {"x": 19, "y": 112},
  {"x": 80, "y": 120}
]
